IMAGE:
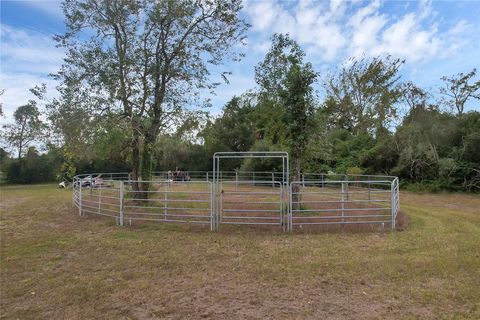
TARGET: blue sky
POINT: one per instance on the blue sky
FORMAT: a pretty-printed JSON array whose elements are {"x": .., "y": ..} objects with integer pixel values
[{"x": 435, "y": 37}]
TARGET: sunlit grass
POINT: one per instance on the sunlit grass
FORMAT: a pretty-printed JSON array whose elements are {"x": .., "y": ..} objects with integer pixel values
[{"x": 55, "y": 264}]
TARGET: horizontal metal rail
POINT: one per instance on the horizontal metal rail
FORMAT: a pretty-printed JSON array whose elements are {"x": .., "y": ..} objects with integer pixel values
[
  {"x": 374, "y": 205},
  {"x": 253, "y": 198}
]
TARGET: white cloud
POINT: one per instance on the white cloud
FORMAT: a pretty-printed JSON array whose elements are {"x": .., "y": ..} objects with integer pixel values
[
  {"x": 338, "y": 29},
  {"x": 50, "y": 7},
  {"x": 27, "y": 57},
  {"x": 406, "y": 39},
  {"x": 17, "y": 92},
  {"x": 28, "y": 51}
]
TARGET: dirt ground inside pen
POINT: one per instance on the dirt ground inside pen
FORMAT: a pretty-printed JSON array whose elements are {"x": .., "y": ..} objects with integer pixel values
[{"x": 57, "y": 265}]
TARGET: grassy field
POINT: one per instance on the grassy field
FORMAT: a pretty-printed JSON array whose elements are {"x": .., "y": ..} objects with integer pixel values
[{"x": 57, "y": 265}]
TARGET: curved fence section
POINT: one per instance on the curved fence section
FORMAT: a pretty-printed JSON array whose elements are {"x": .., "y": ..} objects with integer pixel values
[{"x": 317, "y": 199}]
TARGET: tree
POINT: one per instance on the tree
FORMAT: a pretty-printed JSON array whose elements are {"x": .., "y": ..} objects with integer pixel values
[
  {"x": 297, "y": 100},
  {"x": 361, "y": 97},
  {"x": 270, "y": 76},
  {"x": 144, "y": 61},
  {"x": 234, "y": 130},
  {"x": 285, "y": 82},
  {"x": 414, "y": 97},
  {"x": 26, "y": 129},
  {"x": 458, "y": 90}
]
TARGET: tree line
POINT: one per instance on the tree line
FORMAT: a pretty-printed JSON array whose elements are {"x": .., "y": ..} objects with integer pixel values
[{"x": 130, "y": 101}]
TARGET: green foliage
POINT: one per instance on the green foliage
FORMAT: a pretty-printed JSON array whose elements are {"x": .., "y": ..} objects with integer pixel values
[
  {"x": 354, "y": 170},
  {"x": 458, "y": 89},
  {"x": 267, "y": 164},
  {"x": 286, "y": 98},
  {"x": 361, "y": 97},
  {"x": 33, "y": 167},
  {"x": 129, "y": 94},
  {"x": 26, "y": 129},
  {"x": 142, "y": 64}
]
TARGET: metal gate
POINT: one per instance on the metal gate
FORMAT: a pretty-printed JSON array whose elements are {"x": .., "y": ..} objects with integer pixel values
[
  {"x": 248, "y": 202},
  {"x": 243, "y": 198}
]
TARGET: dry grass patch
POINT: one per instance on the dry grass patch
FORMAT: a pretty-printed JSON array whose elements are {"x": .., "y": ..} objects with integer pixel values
[{"x": 55, "y": 264}]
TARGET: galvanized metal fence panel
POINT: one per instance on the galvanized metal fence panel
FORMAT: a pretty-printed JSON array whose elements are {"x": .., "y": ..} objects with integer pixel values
[
  {"x": 179, "y": 202},
  {"x": 342, "y": 202},
  {"x": 318, "y": 199},
  {"x": 248, "y": 202}
]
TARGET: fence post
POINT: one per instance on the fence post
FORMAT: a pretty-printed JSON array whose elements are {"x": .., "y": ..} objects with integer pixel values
[
  {"x": 80, "y": 198},
  {"x": 369, "y": 195},
  {"x": 392, "y": 204},
  {"x": 74, "y": 192},
  {"x": 207, "y": 175},
  {"x": 165, "y": 200},
  {"x": 346, "y": 187},
  {"x": 236, "y": 180},
  {"x": 99, "y": 198},
  {"x": 282, "y": 215},
  {"x": 343, "y": 201},
  {"x": 220, "y": 205},
  {"x": 273, "y": 180},
  {"x": 290, "y": 208},
  {"x": 121, "y": 217}
]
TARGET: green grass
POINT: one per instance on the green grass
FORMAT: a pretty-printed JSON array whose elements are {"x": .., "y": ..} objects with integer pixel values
[{"x": 55, "y": 264}]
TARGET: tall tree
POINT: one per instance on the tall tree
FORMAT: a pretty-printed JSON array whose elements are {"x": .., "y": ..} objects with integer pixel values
[
  {"x": 458, "y": 90},
  {"x": 26, "y": 129},
  {"x": 285, "y": 81},
  {"x": 144, "y": 61},
  {"x": 297, "y": 99},
  {"x": 361, "y": 97},
  {"x": 270, "y": 76}
]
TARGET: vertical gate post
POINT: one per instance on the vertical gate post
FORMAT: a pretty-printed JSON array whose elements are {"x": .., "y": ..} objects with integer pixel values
[
  {"x": 273, "y": 180},
  {"x": 220, "y": 204},
  {"x": 343, "y": 201},
  {"x": 236, "y": 180},
  {"x": 212, "y": 196},
  {"x": 282, "y": 216},
  {"x": 74, "y": 192},
  {"x": 392, "y": 203},
  {"x": 165, "y": 200},
  {"x": 121, "y": 217},
  {"x": 369, "y": 193},
  {"x": 80, "y": 198},
  {"x": 290, "y": 209},
  {"x": 212, "y": 221},
  {"x": 99, "y": 198}
]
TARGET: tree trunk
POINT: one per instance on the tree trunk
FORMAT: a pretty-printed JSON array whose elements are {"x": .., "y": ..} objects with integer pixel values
[
  {"x": 297, "y": 176},
  {"x": 136, "y": 166},
  {"x": 147, "y": 163}
]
